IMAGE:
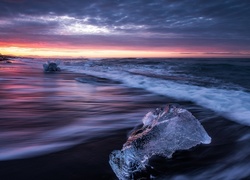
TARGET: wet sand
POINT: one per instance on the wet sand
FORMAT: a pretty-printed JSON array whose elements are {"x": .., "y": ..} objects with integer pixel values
[
  {"x": 89, "y": 160},
  {"x": 58, "y": 100},
  {"x": 86, "y": 161}
]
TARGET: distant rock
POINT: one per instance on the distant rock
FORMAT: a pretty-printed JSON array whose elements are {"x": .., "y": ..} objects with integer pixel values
[
  {"x": 51, "y": 66},
  {"x": 164, "y": 131},
  {"x": 4, "y": 58}
]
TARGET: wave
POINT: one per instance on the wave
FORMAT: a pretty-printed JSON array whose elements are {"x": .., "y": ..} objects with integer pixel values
[
  {"x": 25, "y": 144},
  {"x": 232, "y": 104}
]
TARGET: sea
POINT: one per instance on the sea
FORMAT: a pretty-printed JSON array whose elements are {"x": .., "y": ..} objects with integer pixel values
[{"x": 64, "y": 125}]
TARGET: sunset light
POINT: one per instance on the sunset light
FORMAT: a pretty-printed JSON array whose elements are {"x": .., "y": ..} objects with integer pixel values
[
  {"x": 124, "y": 89},
  {"x": 119, "y": 29}
]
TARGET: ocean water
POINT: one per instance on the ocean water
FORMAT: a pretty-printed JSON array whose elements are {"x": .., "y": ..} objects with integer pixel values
[{"x": 61, "y": 119}]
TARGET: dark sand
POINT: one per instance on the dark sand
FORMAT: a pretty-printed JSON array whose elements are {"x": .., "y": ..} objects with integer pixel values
[
  {"x": 89, "y": 160},
  {"x": 86, "y": 161}
]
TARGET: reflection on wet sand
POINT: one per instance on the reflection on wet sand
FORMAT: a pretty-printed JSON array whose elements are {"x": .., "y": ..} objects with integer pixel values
[{"x": 46, "y": 112}]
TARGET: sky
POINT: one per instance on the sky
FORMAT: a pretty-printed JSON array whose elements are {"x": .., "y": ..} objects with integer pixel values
[{"x": 125, "y": 28}]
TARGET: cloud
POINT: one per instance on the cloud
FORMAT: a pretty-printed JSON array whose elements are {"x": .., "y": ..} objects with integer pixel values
[{"x": 137, "y": 23}]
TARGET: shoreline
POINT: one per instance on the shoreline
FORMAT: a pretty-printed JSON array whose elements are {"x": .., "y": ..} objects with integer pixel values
[{"x": 89, "y": 159}]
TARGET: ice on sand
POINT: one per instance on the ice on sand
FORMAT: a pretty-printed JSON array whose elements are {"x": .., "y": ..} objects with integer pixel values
[{"x": 165, "y": 131}]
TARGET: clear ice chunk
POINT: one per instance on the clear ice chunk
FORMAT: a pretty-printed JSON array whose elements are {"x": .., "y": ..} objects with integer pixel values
[{"x": 164, "y": 131}]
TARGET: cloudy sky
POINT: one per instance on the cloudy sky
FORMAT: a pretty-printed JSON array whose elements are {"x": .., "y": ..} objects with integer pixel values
[{"x": 125, "y": 28}]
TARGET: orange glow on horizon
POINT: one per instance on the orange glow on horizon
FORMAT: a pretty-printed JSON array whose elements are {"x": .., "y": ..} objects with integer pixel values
[
  {"x": 64, "y": 51},
  {"x": 88, "y": 53}
]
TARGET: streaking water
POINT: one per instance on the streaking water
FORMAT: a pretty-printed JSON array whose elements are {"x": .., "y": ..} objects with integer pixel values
[
  {"x": 44, "y": 112},
  {"x": 217, "y": 84}
]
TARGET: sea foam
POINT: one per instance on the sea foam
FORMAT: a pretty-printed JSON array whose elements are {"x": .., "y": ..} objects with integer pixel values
[{"x": 232, "y": 104}]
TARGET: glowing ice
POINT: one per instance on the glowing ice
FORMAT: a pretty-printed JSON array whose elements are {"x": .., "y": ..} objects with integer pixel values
[{"x": 165, "y": 131}]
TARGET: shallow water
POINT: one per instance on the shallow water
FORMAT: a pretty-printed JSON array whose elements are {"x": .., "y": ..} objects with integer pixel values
[
  {"x": 69, "y": 121},
  {"x": 43, "y": 112}
]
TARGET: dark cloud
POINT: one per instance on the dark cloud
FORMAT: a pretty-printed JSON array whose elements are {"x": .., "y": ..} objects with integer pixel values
[{"x": 160, "y": 23}]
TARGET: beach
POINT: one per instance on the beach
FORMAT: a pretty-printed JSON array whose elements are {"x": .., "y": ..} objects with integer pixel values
[
  {"x": 42, "y": 101},
  {"x": 64, "y": 125}
]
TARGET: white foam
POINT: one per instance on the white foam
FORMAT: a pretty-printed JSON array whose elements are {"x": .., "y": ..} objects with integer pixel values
[
  {"x": 233, "y": 104},
  {"x": 31, "y": 151},
  {"x": 26, "y": 144}
]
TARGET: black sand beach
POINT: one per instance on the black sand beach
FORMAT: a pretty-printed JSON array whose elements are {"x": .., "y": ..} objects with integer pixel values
[
  {"x": 93, "y": 118},
  {"x": 88, "y": 160}
]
